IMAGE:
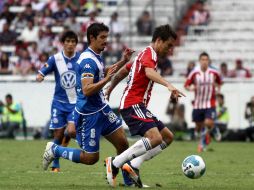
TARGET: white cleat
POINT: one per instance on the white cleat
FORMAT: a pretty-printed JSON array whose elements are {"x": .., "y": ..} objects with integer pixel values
[
  {"x": 48, "y": 156},
  {"x": 111, "y": 172}
]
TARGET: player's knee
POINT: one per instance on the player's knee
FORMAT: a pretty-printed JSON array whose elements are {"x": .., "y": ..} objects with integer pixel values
[
  {"x": 156, "y": 140},
  {"x": 71, "y": 132},
  {"x": 169, "y": 138},
  {"x": 89, "y": 159}
]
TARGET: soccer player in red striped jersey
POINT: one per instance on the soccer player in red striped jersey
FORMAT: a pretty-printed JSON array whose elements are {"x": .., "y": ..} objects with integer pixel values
[
  {"x": 133, "y": 107},
  {"x": 204, "y": 80}
]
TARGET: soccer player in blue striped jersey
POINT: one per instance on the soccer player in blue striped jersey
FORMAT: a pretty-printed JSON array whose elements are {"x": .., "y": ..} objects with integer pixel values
[
  {"x": 63, "y": 65},
  {"x": 93, "y": 116}
]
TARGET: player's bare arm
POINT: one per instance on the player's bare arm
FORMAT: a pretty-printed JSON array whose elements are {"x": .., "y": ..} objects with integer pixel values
[
  {"x": 89, "y": 87},
  {"x": 125, "y": 58},
  {"x": 156, "y": 77},
  {"x": 118, "y": 77}
]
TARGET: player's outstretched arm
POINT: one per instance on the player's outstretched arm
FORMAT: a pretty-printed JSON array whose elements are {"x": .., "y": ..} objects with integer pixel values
[
  {"x": 118, "y": 77},
  {"x": 156, "y": 77},
  {"x": 89, "y": 87}
]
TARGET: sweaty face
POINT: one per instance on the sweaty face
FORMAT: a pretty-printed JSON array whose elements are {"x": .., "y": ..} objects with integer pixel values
[
  {"x": 100, "y": 41},
  {"x": 165, "y": 47},
  {"x": 204, "y": 62},
  {"x": 69, "y": 45}
]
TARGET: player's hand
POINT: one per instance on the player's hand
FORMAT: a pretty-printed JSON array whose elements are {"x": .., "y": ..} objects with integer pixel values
[
  {"x": 127, "y": 54},
  {"x": 175, "y": 94},
  {"x": 39, "y": 77},
  {"x": 108, "y": 91},
  {"x": 111, "y": 71}
]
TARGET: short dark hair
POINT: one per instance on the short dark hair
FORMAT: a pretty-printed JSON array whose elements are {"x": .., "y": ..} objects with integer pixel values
[
  {"x": 69, "y": 34},
  {"x": 8, "y": 96},
  {"x": 95, "y": 29},
  {"x": 164, "y": 32},
  {"x": 203, "y": 54}
]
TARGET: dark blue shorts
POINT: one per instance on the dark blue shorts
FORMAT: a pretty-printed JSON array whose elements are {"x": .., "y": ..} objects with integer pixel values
[
  {"x": 199, "y": 115},
  {"x": 140, "y": 120}
]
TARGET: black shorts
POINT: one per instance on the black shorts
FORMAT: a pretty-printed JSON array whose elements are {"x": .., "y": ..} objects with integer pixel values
[{"x": 139, "y": 119}]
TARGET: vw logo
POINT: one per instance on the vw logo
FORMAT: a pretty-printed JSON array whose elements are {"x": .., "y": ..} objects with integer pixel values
[{"x": 68, "y": 79}]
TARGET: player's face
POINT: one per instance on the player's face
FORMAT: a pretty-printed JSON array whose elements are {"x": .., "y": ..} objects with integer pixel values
[
  {"x": 204, "y": 62},
  {"x": 69, "y": 45},
  {"x": 100, "y": 42},
  {"x": 165, "y": 47}
]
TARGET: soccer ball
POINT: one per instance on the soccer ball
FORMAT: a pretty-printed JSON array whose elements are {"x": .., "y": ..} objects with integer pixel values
[{"x": 193, "y": 166}]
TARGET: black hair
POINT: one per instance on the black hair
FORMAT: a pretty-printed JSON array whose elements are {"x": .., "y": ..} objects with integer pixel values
[
  {"x": 69, "y": 34},
  {"x": 203, "y": 54},
  {"x": 164, "y": 32},
  {"x": 8, "y": 96},
  {"x": 95, "y": 29}
]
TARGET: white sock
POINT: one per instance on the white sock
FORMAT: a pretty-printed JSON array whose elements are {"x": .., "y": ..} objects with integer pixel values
[
  {"x": 139, "y": 148},
  {"x": 136, "y": 163}
]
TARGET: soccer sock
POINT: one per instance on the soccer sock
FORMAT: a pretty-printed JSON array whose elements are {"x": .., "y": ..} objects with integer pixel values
[
  {"x": 137, "y": 149},
  {"x": 55, "y": 163},
  {"x": 136, "y": 163},
  {"x": 72, "y": 154}
]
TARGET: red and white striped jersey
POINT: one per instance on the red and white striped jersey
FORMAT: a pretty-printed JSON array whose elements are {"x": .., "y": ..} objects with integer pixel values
[
  {"x": 205, "y": 82},
  {"x": 139, "y": 87}
]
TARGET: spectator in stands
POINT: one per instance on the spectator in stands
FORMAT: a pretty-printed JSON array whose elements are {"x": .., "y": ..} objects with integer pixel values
[
  {"x": 200, "y": 17},
  {"x": 24, "y": 65},
  {"x": 114, "y": 50},
  {"x": 12, "y": 117},
  {"x": 44, "y": 41},
  {"x": 73, "y": 24},
  {"x": 61, "y": 14},
  {"x": 249, "y": 115},
  {"x": 34, "y": 52},
  {"x": 222, "y": 119},
  {"x": 7, "y": 37},
  {"x": 41, "y": 61},
  {"x": 115, "y": 26},
  {"x": 19, "y": 23},
  {"x": 47, "y": 18},
  {"x": 30, "y": 33},
  {"x": 224, "y": 70},
  {"x": 38, "y": 5},
  {"x": 240, "y": 71},
  {"x": 29, "y": 13},
  {"x": 92, "y": 19},
  {"x": 165, "y": 66},
  {"x": 189, "y": 68},
  {"x": 145, "y": 24},
  {"x": 6, "y": 14},
  {"x": 176, "y": 112},
  {"x": 73, "y": 6},
  {"x": 4, "y": 64},
  {"x": 92, "y": 6}
]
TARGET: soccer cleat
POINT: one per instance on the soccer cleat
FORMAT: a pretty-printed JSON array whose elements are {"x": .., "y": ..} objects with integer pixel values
[
  {"x": 133, "y": 174},
  {"x": 55, "y": 170},
  {"x": 48, "y": 155},
  {"x": 111, "y": 171}
]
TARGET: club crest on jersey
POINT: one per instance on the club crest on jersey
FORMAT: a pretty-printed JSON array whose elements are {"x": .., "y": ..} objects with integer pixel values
[
  {"x": 149, "y": 114},
  {"x": 55, "y": 120},
  {"x": 69, "y": 65},
  {"x": 68, "y": 79},
  {"x": 64, "y": 155},
  {"x": 92, "y": 142}
]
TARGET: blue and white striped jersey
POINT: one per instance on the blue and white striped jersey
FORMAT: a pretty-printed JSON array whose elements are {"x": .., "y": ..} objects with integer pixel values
[
  {"x": 65, "y": 76},
  {"x": 89, "y": 65}
]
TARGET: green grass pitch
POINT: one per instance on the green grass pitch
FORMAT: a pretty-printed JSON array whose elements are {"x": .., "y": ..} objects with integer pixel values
[{"x": 229, "y": 167}]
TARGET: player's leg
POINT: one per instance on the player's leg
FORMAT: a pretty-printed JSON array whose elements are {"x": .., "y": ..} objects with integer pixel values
[
  {"x": 88, "y": 136},
  {"x": 140, "y": 121},
  {"x": 210, "y": 115},
  {"x": 167, "y": 137},
  {"x": 70, "y": 131}
]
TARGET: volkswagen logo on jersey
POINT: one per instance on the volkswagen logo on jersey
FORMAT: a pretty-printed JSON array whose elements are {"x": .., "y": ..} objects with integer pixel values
[{"x": 68, "y": 79}]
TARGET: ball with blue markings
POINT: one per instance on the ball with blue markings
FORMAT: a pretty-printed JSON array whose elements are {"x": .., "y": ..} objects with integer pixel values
[{"x": 193, "y": 166}]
